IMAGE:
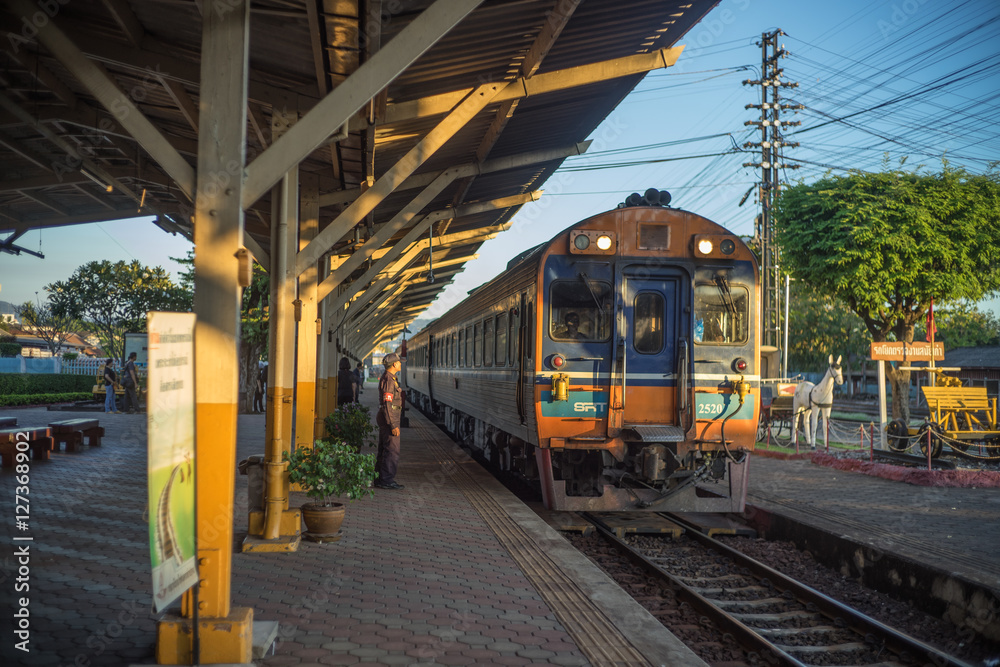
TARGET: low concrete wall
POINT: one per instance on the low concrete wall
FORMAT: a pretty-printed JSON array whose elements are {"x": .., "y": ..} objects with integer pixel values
[{"x": 969, "y": 605}]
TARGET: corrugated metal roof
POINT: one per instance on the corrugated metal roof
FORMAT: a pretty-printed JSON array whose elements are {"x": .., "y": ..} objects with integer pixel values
[{"x": 299, "y": 50}]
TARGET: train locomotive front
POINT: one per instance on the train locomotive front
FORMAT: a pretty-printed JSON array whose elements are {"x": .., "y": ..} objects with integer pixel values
[{"x": 616, "y": 365}]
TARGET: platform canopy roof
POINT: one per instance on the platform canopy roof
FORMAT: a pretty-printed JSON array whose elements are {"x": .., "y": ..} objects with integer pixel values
[{"x": 99, "y": 112}]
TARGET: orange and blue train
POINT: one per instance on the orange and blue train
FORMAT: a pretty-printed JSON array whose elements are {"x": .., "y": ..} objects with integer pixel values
[{"x": 616, "y": 366}]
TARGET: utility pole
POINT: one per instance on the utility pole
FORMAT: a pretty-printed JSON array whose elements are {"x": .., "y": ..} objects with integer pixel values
[{"x": 771, "y": 142}]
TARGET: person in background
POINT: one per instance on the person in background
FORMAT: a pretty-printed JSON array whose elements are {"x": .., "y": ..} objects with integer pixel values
[
  {"x": 130, "y": 380},
  {"x": 259, "y": 385},
  {"x": 347, "y": 383},
  {"x": 110, "y": 378},
  {"x": 359, "y": 371},
  {"x": 390, "y": 410}
]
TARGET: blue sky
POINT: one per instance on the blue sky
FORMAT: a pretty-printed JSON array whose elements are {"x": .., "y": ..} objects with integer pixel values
[{"x": 881, "y": 80}]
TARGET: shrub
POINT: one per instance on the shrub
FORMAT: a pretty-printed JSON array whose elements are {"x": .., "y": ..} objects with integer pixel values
[
  {"x": 330, "y": 469},
  {"x": 8, "y": 349},
  {"x": 44, "y": 383},
  {"x": 70, "y": 356},
  {"x": 351, "y": 422},
  {"x": 42, "y": 399}
]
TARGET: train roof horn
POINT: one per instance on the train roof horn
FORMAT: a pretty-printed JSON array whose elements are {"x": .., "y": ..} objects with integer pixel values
[{"x": 652, "y": 197}]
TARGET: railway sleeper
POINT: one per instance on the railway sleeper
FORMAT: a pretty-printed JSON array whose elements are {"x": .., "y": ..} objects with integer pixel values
[
  {"x": 780, "y": 617},
  {"x": 706, "y": 580},
  {"x": 790, "y": 632},
  {"x": 850, "y": 647},
  {"x": 736, "y": 589},
  {"x": 764, "y": 602}
]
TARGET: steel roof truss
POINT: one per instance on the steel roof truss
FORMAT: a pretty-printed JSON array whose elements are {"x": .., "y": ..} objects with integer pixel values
[
  {"x": 350, "y": 96},
  {"x": 470, "y": 169},
  {"x": 571, "y": 77},
  {"x": 391, "y": 179},
  {"x": 339, "y": 274},
  {"x": 102, "y": 87}
]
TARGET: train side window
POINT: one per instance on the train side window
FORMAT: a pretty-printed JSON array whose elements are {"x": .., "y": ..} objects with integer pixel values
[
  {"x": 488, "y": 341},
  {"x": 580, "y": 310},
  {"x": 512, "y": 350},
  {"x": 721, "y": 314},
  {"x": 454, "y": 349},
  {"x": 477, "y": 346},
  {"x": 501, "y": 355},
  {"x": 529, "y": 330},
  {"x": 461, "y": 347},
  {"x": 647, "y": 322},
  {"x": 469, "y": 342}
]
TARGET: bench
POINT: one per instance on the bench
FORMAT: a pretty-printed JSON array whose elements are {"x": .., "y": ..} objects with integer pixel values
[
  {"x": 947, "y": 403},
  {"x": 39, "y": 440},
  {"x": 73, "y": 431},
  {"x": 8, "y": 422}
]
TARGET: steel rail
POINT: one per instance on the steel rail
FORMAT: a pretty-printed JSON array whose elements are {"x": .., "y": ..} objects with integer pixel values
[
  {"x": 903, "y": 647},
  {"x": 896, "y": 642},
  {"x": 745, "y": 635}
]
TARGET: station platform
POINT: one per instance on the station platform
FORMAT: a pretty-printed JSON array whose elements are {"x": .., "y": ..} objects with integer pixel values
[{"x": 452, "y": 570}]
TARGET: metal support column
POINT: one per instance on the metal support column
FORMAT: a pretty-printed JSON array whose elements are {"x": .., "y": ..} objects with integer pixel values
[
  {"x": 322, "y": 353},
  {"x": 308, "y": 326},
  {"x": 224, "y": 633},
  {"x": 277, "y": 528}
]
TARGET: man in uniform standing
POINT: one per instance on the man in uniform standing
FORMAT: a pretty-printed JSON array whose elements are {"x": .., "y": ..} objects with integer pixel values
[{"x": 390, "y": 399}]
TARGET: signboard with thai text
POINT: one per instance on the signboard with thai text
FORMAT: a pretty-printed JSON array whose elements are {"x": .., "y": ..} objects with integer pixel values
[
  {"x": 170, "y": 414},
  {"x": 915, "y": 351}
]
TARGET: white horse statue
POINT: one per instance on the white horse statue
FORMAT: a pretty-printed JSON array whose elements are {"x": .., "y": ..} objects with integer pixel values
[{"x": 819, "y": 396}]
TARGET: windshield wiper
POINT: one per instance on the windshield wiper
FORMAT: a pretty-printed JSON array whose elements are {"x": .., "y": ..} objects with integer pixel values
[
  {"x": 586, "y": 281},
  {"x": 727, "y": 295}
]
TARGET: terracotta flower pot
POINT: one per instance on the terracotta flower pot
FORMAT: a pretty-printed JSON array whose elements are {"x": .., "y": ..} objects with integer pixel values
[{"x": 323, "y": 520}]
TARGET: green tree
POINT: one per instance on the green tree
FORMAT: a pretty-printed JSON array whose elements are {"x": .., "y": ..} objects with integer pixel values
[
  {"x": 52, "y": 328},
  {"x": 888, "y": 243},
  {"x": 114, "y": 298},
  {"x": 253, "y": 331},
  {"x": 962, "y": 325},
  {"x": 818, "y": 326}
]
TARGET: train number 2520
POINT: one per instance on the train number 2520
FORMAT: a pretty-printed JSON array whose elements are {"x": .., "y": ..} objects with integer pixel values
[{"x": 711, "y": 408}]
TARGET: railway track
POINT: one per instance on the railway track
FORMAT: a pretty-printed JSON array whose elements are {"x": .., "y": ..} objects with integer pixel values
[{"x": 778, "y": 620}]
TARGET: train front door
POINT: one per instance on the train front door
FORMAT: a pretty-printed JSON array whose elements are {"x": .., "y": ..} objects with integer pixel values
[{"x": 652, "y": 316}]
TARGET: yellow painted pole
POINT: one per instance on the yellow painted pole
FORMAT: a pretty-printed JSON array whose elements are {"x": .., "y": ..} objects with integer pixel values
[
  {"x": 277, "y": 528},
  {"x": 305, "y": 375},
  {"x": 322, "y": 351},
  {"x": 225, "y": 632}
]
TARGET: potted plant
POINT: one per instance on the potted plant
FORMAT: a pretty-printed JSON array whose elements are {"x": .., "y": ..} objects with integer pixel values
[
  {"x": 329, "y": 470},
  {"x": 352, "y": 423}
]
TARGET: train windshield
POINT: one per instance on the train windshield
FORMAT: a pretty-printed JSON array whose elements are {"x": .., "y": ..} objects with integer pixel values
[
  {"x": 580, "y": 310},
  {"x": 722, "y": 313}
]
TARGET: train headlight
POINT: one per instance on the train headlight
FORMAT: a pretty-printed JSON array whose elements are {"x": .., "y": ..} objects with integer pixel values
[
  {"x": 557, "y": 361},
  {"x": 740, "y": 365},
  {"x": 718, "y": 246},
  {"x": 592, "y": 242}
]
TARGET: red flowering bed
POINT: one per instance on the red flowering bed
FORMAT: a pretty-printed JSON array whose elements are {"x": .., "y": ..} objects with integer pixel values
[{"x": 963, "y": 478}]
